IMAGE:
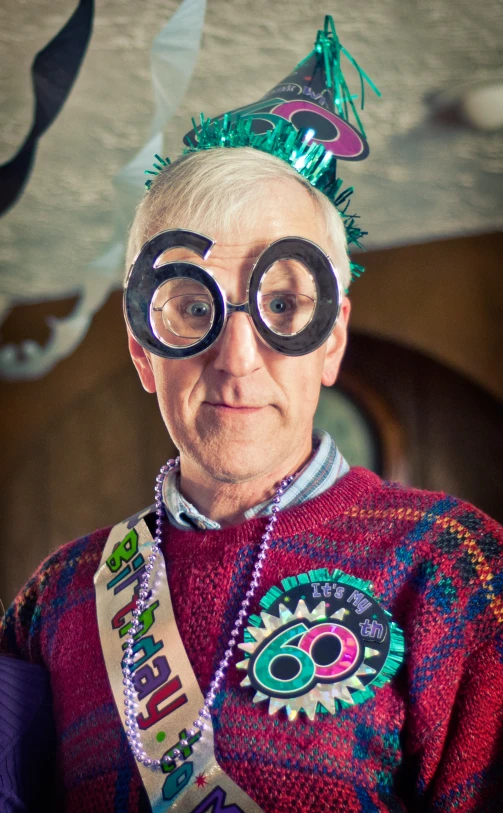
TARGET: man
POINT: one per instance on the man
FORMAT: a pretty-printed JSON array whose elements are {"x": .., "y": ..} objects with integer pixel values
[{"x": 280, "y": 633}]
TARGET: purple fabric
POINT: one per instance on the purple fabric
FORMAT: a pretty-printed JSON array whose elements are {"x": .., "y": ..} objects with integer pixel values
[{"x": 27, "y": 740}]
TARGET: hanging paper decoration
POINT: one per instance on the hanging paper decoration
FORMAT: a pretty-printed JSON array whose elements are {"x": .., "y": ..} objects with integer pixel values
[
  {"x": 173, "y": 57},
  {"x": 54, "y": 70}
]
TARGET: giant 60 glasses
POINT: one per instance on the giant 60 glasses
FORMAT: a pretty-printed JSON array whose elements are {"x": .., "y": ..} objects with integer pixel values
[{"x": 178, "y": 309}]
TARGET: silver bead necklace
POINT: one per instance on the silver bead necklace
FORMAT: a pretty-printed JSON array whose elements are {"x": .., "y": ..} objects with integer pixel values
[{"x": 130, "y": 696}]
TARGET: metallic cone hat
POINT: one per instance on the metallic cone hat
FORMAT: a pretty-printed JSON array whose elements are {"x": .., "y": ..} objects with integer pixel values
[{"x": 305, "y": 121}]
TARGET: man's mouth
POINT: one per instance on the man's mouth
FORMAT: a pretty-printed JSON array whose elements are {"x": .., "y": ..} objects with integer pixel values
[{"x": 243, "y": 409}]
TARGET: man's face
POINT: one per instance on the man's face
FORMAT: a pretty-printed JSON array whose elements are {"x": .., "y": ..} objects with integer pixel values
[{"x": 240, "y": 410}]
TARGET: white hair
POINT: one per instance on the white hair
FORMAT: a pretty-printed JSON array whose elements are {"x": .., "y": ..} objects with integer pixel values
[{"x": 211, "y": 189}]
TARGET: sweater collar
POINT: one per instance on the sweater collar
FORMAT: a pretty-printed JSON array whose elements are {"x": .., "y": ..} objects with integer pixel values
[
  {"x": 326, "y": 466},
  {"x": 345, "y": 497}
]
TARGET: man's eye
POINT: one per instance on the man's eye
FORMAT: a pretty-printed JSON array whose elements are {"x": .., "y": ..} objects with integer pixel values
[
  {"x": 286, "y": 303},
  {"x": 280, "y": 303},
  {"x": 197, "y": 309}
]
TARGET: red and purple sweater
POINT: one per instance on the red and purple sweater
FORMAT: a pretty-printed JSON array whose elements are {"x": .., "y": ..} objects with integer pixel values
[{"x": 430, "y": 740}]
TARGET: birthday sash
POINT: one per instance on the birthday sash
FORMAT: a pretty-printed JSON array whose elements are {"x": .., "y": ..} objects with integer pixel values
[{"x": 168, "y": 693}]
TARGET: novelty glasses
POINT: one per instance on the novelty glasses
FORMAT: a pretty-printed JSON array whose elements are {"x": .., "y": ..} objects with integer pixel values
[{"x": 178, "y": 309}]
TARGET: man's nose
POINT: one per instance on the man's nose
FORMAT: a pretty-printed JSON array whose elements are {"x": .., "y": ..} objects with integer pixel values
[{"x": 238, "y": 351}]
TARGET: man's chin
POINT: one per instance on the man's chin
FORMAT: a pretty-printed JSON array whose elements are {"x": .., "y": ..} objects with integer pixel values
[
  {"x": 236, "y": 462},
  {"x": 237, "y": 469}
]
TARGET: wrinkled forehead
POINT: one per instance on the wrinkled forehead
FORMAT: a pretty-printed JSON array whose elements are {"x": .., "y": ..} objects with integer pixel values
[{"x": 245, "y": 224}]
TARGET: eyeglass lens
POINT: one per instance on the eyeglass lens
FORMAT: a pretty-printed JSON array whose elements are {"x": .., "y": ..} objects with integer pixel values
[
  {"x": 182, "y": 312},
  {"x": 287, "y": 297}
]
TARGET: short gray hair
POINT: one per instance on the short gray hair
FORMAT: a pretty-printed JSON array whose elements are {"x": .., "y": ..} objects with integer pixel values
[{"x": 210, "y": 189}]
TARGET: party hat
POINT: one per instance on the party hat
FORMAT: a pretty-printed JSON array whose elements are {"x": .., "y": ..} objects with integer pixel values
[{"x": 305, "y": 121}]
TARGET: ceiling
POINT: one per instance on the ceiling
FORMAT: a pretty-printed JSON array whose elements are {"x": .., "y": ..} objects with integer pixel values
[{"x": 428, "y": 176}]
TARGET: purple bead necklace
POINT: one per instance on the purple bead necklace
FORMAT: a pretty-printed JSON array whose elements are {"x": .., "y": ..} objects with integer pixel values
[{"x": 130, "y": 696}]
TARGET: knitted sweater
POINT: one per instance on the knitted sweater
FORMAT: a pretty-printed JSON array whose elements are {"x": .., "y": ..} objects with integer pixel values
[{"x": 427, "y": 741}]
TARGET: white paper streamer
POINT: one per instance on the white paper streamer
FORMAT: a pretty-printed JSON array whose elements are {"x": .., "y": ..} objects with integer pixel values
[{"x": 173, "y": 57}]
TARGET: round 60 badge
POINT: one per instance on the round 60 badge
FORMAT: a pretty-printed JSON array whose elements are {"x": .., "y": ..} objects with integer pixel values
[{"x": 322, "y": 643}]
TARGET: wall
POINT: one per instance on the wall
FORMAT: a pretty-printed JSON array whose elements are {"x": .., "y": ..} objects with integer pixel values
[{"x": 81, "y": 446}]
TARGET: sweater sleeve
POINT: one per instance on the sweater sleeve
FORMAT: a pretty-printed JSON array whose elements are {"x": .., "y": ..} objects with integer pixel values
[
  {"x": 27, "y": 738},
  {"x": 18, "y": 628},
  {"x": 36, "y": 610},
  {"x": 469, "y": 776},
  {"x": 461, "y": 672}
]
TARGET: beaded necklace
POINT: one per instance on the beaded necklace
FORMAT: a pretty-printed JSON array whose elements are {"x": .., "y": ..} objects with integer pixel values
[{"x": 130, "y": 697}]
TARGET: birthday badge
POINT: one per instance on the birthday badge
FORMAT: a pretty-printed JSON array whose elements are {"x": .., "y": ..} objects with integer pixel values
[{"x": 321, "y": 644}]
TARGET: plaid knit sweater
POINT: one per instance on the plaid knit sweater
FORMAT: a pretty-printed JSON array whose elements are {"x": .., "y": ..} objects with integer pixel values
[{"x": 430, "y": 740}]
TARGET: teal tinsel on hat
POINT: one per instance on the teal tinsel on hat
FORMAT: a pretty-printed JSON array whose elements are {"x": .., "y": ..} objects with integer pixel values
[{"x": 304, "y": 121}]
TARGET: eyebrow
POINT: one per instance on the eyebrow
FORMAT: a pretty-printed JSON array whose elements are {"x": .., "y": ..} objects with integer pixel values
[
  {"x": 185, "y": 256},
  {"x": 288, "y": 272},
  {"x": 183, "y": 285}
]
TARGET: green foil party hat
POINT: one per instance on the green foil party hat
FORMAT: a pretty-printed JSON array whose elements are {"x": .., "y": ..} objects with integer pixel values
[{"x": 305, "y": 121}]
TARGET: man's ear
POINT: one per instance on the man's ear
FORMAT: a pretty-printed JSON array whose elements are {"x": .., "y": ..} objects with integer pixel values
[
  {"x": 141, "y": 361},
  {"x": 336, "y": 345}
]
